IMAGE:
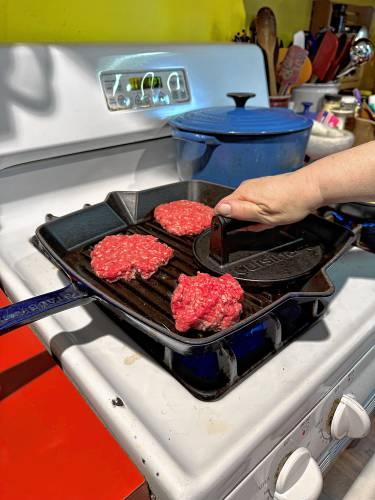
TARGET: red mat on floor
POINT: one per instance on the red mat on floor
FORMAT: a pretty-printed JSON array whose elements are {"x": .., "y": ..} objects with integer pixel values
[{"x": 52, "y": 446}]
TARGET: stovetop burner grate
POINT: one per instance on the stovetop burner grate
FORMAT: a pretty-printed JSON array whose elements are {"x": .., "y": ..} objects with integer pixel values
[
  {"x": 212, "y": 374},
  {"x": 207, "y": 363}
]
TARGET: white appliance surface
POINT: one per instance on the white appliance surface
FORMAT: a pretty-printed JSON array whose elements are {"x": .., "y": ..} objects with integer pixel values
[
  {"x": 187, "y": 449},
  {"x": 45, "y": 87}
]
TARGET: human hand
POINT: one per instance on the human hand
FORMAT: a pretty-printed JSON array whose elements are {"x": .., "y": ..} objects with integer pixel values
[{"x": 271, "y": 201}]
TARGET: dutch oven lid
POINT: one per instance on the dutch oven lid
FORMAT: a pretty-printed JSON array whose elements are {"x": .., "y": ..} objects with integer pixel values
[{"x": 239, "y": 120}]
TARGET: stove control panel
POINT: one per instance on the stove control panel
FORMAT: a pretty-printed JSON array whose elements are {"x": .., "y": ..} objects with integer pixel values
[
  {"x": 299, "y": 473},
  {"x": 296, "y": 464},
  {"x": 129, "y": 90},
  {"x": 350, "y": 419}
]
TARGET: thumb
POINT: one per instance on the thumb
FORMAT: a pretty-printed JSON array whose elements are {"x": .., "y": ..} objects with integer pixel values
[{"x": 238, "y": 209}]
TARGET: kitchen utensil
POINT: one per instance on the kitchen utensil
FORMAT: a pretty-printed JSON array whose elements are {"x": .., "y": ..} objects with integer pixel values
[
  {"x": 363, "y": 113},
  {"x": 230, "y": 144},
  {"x": 299, "y": 39},
  {"x": 276, "y": 53},
  {"x": 358, "y": 96},
  {"x": 305, "y": 72},
  {"x": 68, "y": 240},
  {"x": 324, "y": 56},
  {"x": 311, "y": 44},
  {"x": 362, "y": 33},
  {"x": 370, "y": 112},
  {"x": 290, "y": 68},
  {"x": 361, "y": 51},
  {"x": 338, "y": 18},
  {"x": 343, "y": 50},
  {"x": 265, "y": 23},
  {"x": 257, "y": 259}
]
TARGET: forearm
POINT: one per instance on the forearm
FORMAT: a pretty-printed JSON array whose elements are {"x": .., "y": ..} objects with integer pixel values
[
  {"x": 287, "y": 198},
  {"x": 345, "y": 176}
]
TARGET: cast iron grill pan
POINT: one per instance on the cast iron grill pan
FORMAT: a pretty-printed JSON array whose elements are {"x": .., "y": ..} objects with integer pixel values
[{"x": 68, "y": 241}]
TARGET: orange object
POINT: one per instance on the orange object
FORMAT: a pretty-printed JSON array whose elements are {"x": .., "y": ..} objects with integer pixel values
[
  {"x": 52, "y": 446},
  {"x": 306, "y": 70}
]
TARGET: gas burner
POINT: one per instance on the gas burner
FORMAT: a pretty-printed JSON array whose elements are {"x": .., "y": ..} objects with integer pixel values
[
  {"x": 211, "y": 374},
  {"x": 208, "y": 364},
  {"x": 276, "y": 308},
  {"x": 365, "y": 228}
]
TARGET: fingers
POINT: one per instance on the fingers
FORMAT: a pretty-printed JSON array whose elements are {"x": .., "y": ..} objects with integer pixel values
[{"x": 238, "y": 209}]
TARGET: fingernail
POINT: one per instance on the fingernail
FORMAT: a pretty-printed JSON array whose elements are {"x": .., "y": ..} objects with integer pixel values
[{"x": 224, "y": 209}]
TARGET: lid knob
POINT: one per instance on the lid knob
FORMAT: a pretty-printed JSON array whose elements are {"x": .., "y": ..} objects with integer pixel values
[{"x": 240, "y": 98}]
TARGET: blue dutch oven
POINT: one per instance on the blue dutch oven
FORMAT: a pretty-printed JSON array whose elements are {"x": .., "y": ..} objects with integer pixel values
[{"x": 228, "y": 145}]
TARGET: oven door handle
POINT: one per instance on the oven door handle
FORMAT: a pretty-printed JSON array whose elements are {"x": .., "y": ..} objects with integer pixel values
[{"x": 29, "y": 310}]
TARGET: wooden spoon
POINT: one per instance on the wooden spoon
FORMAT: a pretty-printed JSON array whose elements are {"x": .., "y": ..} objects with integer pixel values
[{"x": 265, "y": 25}]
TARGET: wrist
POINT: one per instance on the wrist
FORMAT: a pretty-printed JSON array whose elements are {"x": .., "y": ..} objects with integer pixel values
[{"x": 310, "y": 187}]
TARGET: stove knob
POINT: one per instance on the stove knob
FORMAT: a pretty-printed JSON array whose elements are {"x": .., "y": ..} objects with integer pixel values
[
  {"x": 350, "y": 419},
  {"x": 300, "y": 478}
]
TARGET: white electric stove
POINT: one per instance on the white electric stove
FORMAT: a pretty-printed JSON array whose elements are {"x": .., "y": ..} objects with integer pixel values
[{"x": 71, "y": 132}]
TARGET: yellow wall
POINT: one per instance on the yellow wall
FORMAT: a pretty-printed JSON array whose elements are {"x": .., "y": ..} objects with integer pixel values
[
  {"x": 144, "y": 20},
  {"x": 141, "y": 20},
  {"x": 120, "y": 20}
]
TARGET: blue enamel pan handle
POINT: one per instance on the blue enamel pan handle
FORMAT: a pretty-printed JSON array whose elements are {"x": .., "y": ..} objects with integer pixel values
[
  {"x": 187, "y": 147},
  {"x": 27, "y": 311},
  {"x": 183, "y": 135}
]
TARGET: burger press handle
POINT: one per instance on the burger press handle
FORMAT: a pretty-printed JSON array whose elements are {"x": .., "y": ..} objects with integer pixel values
[{"x": 220, "y": 240}]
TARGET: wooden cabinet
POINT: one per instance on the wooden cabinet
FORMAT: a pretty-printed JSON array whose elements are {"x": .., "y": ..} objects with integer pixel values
[{"x": 355, "y": 15}]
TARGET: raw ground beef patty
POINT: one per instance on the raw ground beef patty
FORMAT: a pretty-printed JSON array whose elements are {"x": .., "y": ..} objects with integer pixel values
[
  {"x": 123, "y": 256},
  {"x": 184, "y": 217},
  {"x": 204, "y": 302}
]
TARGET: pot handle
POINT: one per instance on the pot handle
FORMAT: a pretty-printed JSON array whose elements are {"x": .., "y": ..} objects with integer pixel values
[
  {"x": 30, "y": 310},
  {"x": 183, "y": 135}
]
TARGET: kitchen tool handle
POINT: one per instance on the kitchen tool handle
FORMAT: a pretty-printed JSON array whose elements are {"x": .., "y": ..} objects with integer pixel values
[
  {"x": 183, "y": 135},
  {"x": 219, "y": 243},
  {"x": 240, "y": 98},
  {"x": 346, "y": 71},
  {"x": 30, "y": 310}
]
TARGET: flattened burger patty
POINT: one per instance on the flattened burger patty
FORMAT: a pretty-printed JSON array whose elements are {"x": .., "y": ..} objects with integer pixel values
[
  {"x": 184, "y": 217},
  {"x": 205, "y": 302},
  {"x": 123, "y": 256}
]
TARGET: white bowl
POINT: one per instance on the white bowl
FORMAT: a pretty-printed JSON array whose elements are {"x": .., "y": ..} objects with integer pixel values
[{"x": 319, "y": 146}]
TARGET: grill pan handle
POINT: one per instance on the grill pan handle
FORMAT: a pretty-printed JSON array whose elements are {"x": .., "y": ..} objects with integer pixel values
[{"x": 30, "y": 310}]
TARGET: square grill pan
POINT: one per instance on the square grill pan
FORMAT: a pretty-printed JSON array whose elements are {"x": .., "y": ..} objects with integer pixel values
[{"x": 68, "y": 241}]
